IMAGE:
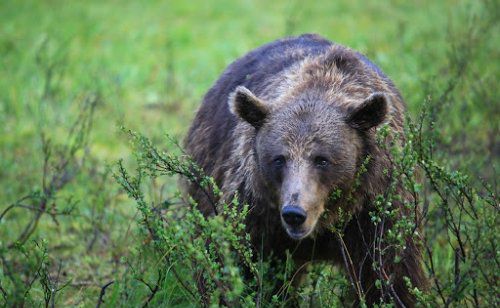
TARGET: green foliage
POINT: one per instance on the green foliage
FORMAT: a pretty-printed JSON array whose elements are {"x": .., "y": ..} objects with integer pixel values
[{"x": 71, "y": 71}]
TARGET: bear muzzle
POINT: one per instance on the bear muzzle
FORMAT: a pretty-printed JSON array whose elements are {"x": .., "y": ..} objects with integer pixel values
[{"x": 293, "y": 218}]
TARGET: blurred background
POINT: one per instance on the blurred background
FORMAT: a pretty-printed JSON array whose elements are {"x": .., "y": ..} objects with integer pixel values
[{"x": 73, "y": 72}]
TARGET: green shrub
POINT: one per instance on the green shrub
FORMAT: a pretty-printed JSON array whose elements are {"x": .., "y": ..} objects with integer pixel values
[{"x": 70, "y": 237}]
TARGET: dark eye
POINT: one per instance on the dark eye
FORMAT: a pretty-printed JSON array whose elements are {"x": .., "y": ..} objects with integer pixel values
[
  {"x": 279, "y": 161},
  {"x": 321, "y": 161}
]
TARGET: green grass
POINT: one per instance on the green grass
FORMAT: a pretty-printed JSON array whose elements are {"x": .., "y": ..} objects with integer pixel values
[{"x": 150, "y": 63}]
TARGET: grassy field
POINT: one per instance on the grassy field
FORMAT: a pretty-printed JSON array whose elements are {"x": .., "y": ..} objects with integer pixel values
[{"x": 73, "y": 72}]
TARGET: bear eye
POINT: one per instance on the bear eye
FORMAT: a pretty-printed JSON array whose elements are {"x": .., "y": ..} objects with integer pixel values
[
  {"x": 321, "y": 161},
  {"x": 279, "y": 161}
]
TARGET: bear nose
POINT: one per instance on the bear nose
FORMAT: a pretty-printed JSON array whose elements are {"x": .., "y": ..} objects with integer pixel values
[{"x": 293, "y": 215}]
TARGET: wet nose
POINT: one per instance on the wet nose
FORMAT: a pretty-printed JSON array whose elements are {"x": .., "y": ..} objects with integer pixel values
[{"x": 293, "y": 215}]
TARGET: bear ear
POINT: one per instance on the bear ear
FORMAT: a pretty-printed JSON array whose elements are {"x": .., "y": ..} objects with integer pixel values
[
  {"x": 372, "y": 112},
  {"x": 245, "y": 105}
]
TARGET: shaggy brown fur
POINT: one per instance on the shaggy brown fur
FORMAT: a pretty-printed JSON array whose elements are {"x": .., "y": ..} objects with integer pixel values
[{"x": 285, "y": 126}]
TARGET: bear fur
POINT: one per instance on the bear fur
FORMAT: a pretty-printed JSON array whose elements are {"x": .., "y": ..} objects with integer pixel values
[{"x": 284, "y": 127}]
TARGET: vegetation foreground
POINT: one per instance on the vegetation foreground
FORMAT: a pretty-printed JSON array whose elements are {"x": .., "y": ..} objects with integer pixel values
[{"x": 95, "y": 98}]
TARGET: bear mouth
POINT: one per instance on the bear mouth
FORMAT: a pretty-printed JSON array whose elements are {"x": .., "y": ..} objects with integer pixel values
[{"x": 297, "y": 234}]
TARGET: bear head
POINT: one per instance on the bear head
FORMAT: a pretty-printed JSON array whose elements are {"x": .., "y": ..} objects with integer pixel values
[{"x": 307, "y": 149}]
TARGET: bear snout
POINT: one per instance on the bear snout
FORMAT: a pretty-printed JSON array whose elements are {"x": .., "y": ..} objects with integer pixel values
[{"x": 293, "y": 215}]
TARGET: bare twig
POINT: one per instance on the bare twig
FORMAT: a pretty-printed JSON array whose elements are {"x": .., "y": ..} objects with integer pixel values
[
  {"x": 350, "y": 267},
  {"x": 4, "y": 293},
  {"x": 154, "y": 289},
  {"x": 100, "y": 300},
  {"x": 13, "y": 205}
]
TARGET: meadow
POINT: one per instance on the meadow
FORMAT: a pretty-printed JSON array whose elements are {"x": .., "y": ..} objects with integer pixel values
[{"x": 91, "y": 90}]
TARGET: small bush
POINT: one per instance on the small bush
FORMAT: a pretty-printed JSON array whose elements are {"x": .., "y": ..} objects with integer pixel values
[
  {"x": 210, "y": 258},
  {"x": 69, "y": 236}
]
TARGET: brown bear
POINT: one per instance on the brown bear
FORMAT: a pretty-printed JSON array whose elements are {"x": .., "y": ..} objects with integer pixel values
[{"x": 287, "y": 126}]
